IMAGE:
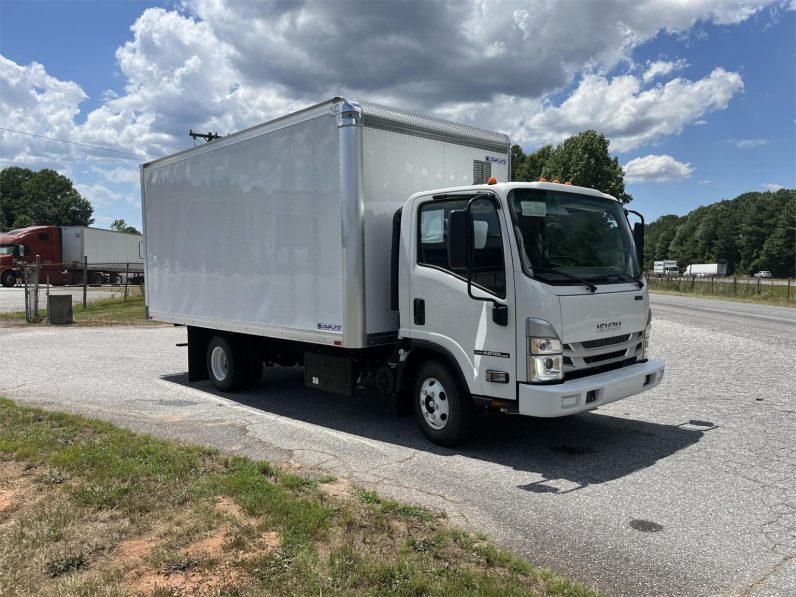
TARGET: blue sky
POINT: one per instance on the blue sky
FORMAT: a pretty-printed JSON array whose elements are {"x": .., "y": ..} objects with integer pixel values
[{"x": 699, "y": 102}]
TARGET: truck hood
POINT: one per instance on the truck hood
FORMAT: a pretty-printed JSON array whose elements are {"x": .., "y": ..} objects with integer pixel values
[{"x": 591, "y": 316}]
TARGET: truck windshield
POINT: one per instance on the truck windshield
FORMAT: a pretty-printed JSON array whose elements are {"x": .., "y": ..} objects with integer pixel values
[
  {"x": 566, "y": 237},
  {"x": 9, "y": 250}
]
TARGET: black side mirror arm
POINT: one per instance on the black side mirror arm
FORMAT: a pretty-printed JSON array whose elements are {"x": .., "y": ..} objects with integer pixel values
[{"x": 500, "y": 311}]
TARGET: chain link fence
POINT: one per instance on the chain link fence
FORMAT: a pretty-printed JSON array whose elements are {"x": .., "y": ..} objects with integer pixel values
[
  {"x": 768, "y": 288},
  {"x": 84, "y": 284}
]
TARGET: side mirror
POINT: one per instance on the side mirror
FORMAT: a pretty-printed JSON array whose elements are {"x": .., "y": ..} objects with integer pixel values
[
  {"x": 638, "y": 238},
  {"x": 21, "y": 250},
  {"x": 458, "y": 245}
]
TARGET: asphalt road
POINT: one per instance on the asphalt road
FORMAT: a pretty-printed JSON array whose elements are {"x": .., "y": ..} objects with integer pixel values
[
  {"x": 13, "y": 299},
  {"x": 689, "y": 489}
]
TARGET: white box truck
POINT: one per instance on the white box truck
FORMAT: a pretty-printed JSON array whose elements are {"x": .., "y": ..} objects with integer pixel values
[
  {"x": 665, "y": 268},
  {"x": 310, "y": 240},
  {"x": 705, "y": 270}
]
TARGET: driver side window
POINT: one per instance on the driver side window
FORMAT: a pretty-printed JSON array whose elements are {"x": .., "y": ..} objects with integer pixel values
[{"x": 488, "y": 265}]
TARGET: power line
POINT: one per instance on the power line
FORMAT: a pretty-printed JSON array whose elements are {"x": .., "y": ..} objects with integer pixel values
[{"x": 137, "y": 155}]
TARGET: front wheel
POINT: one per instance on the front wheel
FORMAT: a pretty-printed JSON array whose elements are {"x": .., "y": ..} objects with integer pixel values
[
  {"x": 442, "y": 407},
  {"x": 8, "y": 279}
]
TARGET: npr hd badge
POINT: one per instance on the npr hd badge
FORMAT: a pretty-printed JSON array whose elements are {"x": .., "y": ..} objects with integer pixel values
[{"x": 612, "y": 326}]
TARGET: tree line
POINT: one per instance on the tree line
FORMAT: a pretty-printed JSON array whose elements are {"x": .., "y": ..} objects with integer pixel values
[{"x": 753, "y": 232}]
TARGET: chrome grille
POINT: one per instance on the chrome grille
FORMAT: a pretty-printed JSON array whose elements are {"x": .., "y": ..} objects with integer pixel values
[
  {"x": 589, "y": 344},
  {"x": 602, "y": 351},
  {"x": 604, "y": 357}
]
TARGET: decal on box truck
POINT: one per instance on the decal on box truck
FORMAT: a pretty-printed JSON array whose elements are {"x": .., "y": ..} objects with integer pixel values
[
  {"x": 494, "y": 160},
  {"x": 330, "y": 327}
]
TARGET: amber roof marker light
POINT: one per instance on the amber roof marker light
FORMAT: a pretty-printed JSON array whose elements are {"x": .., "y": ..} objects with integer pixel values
[{"x": 492, "y": 180}]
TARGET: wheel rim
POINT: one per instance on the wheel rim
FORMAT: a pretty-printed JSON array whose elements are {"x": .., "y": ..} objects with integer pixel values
[
  {"x": 218, "y": 363},
  {"x": 434, "y": 403}
]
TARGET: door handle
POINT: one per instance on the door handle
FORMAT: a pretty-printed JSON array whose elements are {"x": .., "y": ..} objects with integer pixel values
[{"x": 420, "y": 311}]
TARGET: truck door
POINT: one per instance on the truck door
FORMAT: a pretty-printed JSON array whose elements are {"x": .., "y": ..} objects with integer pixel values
[{"x": 444, "y": 314}]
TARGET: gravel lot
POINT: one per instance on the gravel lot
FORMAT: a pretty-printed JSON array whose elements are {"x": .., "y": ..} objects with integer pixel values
[{"x": 689, "y": 489}]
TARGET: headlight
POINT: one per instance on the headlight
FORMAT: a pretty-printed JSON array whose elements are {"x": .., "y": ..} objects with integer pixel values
[
  {"x": 545, "y": 361},
  {"x": 546, "y": 368},
  {"x": 545, "y": 346}
]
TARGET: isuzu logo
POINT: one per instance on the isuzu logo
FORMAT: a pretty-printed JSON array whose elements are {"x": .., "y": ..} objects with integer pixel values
[{"x": 612, "y": 326}]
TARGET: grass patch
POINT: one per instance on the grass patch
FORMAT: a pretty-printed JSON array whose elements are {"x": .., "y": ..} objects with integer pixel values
[
  {"x": 89, "y": 508},
  {"x": 107, "y": 311}
]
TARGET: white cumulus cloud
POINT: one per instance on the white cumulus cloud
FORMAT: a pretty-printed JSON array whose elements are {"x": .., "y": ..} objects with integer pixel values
[
  {"x": 656, "y": 168},
  {"x": 220, "y": 65},
  {"x": 661, "y": 68},
  {"x": 772, "y": 186}
]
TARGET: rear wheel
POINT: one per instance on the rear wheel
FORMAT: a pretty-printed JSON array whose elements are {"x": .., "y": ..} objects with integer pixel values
[
  {"x": 442, "y": 408},
  {"x": 226, "y": 363}
]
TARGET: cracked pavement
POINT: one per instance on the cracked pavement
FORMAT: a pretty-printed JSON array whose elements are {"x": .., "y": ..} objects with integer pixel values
[{"x": 688, "y": 489}]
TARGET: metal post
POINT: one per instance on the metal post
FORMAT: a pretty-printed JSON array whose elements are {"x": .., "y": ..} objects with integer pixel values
[
  {"x": 85, "y": 279},
  {"x": 734, "y": 282},
  {"x": 126, "y": 278},
  {"x": 788, "y": 297},
  {"x": 36, "y": 289},
  {"x": 758, "y": 286}
]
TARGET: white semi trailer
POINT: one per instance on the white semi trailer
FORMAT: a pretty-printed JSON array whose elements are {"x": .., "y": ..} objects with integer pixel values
[
  {"x": 309, "y": 240},
  {"x": 706, "y": 269}
]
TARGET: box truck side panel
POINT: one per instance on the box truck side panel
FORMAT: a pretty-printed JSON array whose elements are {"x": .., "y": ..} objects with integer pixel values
[
  {"x": 395, "y": 166},
  {"x": 245, "y": 235}
]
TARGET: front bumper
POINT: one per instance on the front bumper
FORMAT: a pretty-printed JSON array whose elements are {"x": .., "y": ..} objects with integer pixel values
[{"x": 570, "y": 397}]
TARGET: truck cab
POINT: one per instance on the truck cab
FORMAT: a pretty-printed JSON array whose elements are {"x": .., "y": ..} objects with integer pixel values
[
  {"x": 531, "y": 293},
  {"x": 23, "y": 244}
]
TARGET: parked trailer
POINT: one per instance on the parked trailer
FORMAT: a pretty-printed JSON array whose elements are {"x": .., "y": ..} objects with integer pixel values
[
  {"x": 706, "y": 269},
  {"x": 62, "y": 250},
  {"x": 273, "y": 246}
]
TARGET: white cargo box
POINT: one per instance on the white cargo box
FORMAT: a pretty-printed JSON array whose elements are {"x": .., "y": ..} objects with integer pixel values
[
  {"x": 284, "y": 229},
  {"x": 102, "y": 248}
]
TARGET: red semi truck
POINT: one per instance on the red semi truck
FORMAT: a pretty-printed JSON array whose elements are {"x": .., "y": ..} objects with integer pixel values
[{"x": 61, "y": 250}]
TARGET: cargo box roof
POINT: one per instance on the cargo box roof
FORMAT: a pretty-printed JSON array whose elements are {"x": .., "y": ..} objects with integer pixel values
[{"x": 374, "y": 116}]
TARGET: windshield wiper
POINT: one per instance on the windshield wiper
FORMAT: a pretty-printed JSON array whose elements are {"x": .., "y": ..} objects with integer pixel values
[
  {"x": 629, "y": 278},
  {"x": 557, "y": 270}
]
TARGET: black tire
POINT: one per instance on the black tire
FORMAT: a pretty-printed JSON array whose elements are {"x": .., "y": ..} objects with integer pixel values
[
  {"x": 94, "y": 279},
  {"x": 116, "y": 279},
  {"x": 227, "y": 365},
  {"x": 445, "y": 411},
  {"x": 8, "y": 279}
]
